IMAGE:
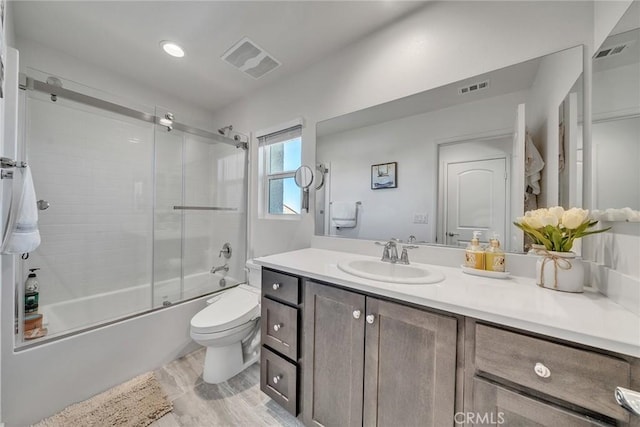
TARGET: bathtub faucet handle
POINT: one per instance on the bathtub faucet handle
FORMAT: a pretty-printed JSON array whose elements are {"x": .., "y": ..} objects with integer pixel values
[{"x": 226, "y": 251}]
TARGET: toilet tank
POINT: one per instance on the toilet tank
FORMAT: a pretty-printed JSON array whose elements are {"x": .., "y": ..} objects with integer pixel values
[{"x": 254, "y": 274}]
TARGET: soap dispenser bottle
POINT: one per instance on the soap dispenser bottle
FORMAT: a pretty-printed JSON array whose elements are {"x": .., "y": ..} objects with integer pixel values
[
  {"x": 494, "y": 258},
  {"x": 31, "y": 292},
  {"x": 474, "y": 254}
]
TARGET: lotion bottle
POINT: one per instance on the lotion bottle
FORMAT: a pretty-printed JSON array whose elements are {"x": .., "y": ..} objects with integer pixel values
[
  {"x": 474, "y": 254},
  {"x": 494, "y": 257},
  {"x": 31, "y": 292}
]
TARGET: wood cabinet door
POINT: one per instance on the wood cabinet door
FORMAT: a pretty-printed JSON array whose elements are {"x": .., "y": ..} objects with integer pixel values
[
  {"x": 410, "y": 367},
  {"x": 333, "y": 361}
]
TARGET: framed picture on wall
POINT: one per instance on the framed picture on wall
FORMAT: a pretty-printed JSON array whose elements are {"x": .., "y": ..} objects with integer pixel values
[{"x": 384, "y": 175}]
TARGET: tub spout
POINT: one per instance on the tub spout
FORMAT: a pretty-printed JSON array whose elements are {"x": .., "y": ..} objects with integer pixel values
[{"x": 224, "y": 268}]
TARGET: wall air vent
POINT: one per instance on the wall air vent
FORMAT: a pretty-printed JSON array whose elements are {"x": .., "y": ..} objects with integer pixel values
[
  {"x": 473, "y": 87},
  {"x": 251, "y": 59},
  {"x": 613, "y": 50}
]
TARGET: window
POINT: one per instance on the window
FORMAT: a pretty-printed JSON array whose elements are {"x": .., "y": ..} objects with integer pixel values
[{"x": 281, "y": 153}]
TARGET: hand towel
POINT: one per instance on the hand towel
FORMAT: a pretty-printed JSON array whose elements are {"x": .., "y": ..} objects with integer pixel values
[
  {"x": 344, "y": 214},
  {"x": 532, "y": 167},
  {"x": 22, "y": 235}
]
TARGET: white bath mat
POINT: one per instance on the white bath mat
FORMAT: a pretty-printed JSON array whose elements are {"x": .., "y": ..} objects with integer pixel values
[{"x": 136, "y": 403}]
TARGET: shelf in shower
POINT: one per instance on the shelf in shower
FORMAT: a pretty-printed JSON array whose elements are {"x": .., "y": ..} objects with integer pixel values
[{"x": 203, "y": 208}]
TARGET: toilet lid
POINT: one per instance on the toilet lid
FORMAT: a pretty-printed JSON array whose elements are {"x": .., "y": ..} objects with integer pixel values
[{"x": 233, "y": 308}]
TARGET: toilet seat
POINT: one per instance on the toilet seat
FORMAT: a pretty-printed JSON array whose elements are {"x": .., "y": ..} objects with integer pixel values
[{"x": 231, "y": 309}]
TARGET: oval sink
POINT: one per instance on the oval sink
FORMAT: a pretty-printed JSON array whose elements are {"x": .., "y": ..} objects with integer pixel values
[{"x": 412, "y": 274}]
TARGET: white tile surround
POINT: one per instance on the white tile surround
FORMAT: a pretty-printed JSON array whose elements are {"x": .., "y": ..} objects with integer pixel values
[
  {"x": 97, "y": 171},
  {"x": 96, "y": 236}
]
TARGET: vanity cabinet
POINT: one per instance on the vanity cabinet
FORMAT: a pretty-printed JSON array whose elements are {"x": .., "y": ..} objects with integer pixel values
[
  {"x": 337, "y": 357},
  {"x": 528, "y": 380},
  {"x": 280, "y": 332},
  {"x": 373, "y": 362}
]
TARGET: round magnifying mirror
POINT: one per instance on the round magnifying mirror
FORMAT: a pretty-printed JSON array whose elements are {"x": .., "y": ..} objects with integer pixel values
[{"x": 304, "y": 177}]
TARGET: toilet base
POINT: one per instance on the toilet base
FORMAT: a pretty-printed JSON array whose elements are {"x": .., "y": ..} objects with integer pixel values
[{"x": 222, "y": 363}]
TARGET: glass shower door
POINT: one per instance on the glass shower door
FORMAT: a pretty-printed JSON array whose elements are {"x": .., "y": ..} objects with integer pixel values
[
  {"x": 95, "y": 170},
  {"x": 168, "y": 222},
  {"x": 200, "y": 206}
]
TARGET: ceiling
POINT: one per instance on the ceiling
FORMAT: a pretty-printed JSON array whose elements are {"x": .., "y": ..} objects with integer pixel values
[{"x": 124, "y": 37}]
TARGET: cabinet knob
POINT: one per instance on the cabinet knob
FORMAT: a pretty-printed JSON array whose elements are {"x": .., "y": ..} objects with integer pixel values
[
  {"x": 277, "y": 327},
  {"x": 541, "y": 370},
  {"x": 628, "y": 399},
  {"x": 370, "y": 319},
  {"x": 357, "y": 314},
  {"x": 276, "y": 286},
  {"x": 277, "y": 379}
]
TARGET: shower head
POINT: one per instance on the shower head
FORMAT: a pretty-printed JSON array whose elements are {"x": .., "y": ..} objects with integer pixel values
[{"x": 225, "y": 130}]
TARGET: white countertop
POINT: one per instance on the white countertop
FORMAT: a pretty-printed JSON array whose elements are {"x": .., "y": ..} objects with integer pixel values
[{"x": 589, "y": 318}]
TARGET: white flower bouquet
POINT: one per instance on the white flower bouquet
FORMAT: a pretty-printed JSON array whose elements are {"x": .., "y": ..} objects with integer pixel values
[{"x": 555, "y": 228}]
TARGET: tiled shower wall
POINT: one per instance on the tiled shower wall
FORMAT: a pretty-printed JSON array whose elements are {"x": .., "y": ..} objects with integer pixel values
[{"x": 97, "y": 171}]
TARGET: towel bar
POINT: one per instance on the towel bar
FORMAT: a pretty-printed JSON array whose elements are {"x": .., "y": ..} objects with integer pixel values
[{"x": 6, "y": 163}]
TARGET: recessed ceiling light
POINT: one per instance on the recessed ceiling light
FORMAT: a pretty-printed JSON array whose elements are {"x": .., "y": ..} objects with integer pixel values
[{"x": 172, "y": 49}]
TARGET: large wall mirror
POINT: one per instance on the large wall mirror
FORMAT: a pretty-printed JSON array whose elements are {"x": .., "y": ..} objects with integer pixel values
[
  {"x": 615, "y": 142},
  {"x": 456, "y": 153}
]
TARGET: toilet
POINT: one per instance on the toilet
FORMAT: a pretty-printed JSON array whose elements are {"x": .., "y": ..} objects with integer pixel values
[{"x": 229, "y": 327}]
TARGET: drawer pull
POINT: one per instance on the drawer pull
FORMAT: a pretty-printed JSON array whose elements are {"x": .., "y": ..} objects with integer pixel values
[
  {"x": 356, "y": 314},
  {"x": 277, "y": 379},
  {"x": 541, "y": 370},
  {"x": 276, "y": 286},
  {"x": 628, "y": 399},
  {"x": 277, "y": 327},
  {"x": 370, "y": 319}
]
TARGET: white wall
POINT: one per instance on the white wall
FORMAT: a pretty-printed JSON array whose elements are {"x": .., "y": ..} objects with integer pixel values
[
  {"x": 440, "y": 44},
  {"x": 412, "y": 142}
]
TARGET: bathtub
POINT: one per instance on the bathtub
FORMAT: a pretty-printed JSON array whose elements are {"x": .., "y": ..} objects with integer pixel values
[{"x": 87, "y": 312}]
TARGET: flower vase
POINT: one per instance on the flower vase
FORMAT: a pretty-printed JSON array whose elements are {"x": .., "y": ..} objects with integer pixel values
[{"x": 560, "y": 271}]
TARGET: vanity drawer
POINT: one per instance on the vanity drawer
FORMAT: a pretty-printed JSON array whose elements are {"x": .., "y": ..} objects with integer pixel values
[
  {"x": 581, "y": 377},
  {"x": 280, "y": 286},
  {"x": 279, "y": 328},
  {"x": 279, "y": 380},
  {"x": 496, "y": 405}
]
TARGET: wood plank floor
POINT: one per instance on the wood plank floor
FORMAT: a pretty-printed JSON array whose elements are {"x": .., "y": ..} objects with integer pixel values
[{"x": 236, "y": 402}]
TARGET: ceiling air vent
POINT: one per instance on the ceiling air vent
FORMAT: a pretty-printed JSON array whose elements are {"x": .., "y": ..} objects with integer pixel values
[
  {"x": 473, "y": 87},
  {"x": 251, "y": 59},
  {"x": 613, "y": 50}
]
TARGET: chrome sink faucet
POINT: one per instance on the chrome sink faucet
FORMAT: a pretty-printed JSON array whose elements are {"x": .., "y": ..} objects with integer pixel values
[{"x": 390, "y": 251}]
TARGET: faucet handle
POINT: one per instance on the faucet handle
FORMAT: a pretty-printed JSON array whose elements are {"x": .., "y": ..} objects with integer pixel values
[{"x": 404, "y": 258}]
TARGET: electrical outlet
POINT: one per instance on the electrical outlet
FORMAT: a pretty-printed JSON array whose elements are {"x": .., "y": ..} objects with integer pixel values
[{"x": 420, "y": 218}]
